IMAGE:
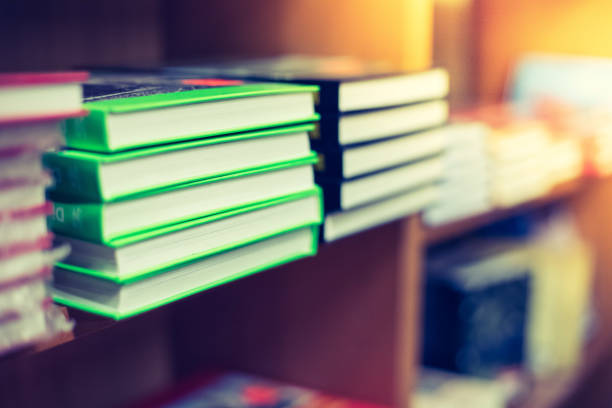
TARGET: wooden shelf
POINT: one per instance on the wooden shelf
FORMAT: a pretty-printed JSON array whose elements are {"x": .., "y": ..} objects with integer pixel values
[{"x": 452, "y": 230}]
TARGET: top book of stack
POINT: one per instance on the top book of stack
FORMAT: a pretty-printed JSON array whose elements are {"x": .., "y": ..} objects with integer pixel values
[
  {"x": 130, "y": 111},
  {"x": 347, "y": 84}
]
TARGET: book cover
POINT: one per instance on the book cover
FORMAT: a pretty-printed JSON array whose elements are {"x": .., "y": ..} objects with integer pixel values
[
  {"x": 117, "y": 94},
  {"x": 77, "y": 173}
]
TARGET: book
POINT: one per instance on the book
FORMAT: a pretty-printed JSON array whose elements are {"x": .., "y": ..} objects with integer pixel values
[
  {"x": 24, "y": 297},
  {"x": 349, "y": 129},
  {"x": 24, "y": 228},
  {"x": 100, "y": 177},
  {"x": 23, "y": 166},
  {"x": 349, "y": 162},
  {"x": 130, "y": 110},
  {"x": 139, "y": 255},
  {"x": 34, "y": 264},
  {"x": 17, "y": 194},
  {"x": 347, "y": 194},
  {"x": 103, "y": 222},
  {"x": 226, "y": 389},
  {"x": 42, "y": 95},
  {"x": 445, "y": 389},
  {"x": 576, "y": 80},
  {"x": 118, "y": 301},
  {"x": 30, "y": 136},
  {"x": 343, "y": 223},
  {"x": 476, "y": 307},
  {"x": 358, "y": 85}
]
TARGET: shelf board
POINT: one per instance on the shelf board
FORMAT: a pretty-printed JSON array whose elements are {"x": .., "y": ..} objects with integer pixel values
[{"x": 455, "y": 229}]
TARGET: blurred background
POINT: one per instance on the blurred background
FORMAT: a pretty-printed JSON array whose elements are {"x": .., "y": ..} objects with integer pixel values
[{"x": 514, "y": 297}]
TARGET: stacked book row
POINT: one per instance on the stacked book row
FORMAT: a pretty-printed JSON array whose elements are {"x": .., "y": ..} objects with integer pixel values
[
  {"x": 28, "y": 126},
  {"x": 171, "y": 186},
  {"x": 496, "y": 157}
]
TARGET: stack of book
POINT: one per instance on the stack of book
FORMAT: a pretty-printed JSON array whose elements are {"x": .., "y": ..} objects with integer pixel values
[
  {"x": 379, "y": 139},
  {"x": 465, "y": 185},
  {"x": 32, "y": 109},
  {"x": 521, "y": 153},
  {"x": 170, "y": 186}
]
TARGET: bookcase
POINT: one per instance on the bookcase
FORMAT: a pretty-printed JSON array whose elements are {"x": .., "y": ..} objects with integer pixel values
[{"x": 345, "y": 321}]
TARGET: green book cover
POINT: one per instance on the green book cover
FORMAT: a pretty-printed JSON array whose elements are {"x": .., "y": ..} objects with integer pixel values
[
  {"x": 129, "y": 111},
  {"x": 145, "y": 235},
  {"x": 103, "y": 298},
  {"x": 153, "y": 209},
  {"x": 96, "y": 177}
]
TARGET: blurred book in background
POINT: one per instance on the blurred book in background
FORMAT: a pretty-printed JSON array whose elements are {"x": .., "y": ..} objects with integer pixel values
[
  {"x": 33, "y": 107},
  {"x": 445, "y": 389},
  {"x": 465, "y": 185},
  {"x": 509, "y": 301},
  {"x": 238, "y": 390}
]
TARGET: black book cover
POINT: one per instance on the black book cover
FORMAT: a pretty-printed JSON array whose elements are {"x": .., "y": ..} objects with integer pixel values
[
  {"x": 123, "y": 83},
  {"x": 475, "y": 328},
  {"x": 326, "y": 72}
]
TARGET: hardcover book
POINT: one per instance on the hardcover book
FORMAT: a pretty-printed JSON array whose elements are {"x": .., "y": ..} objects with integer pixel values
[
  {"x": 347, "y": 194},
  {"x": 336, "y": 132},
  {"x": 103, "y": 222},
  {"x": 119, "y": 300},
  {"x": 346, "y": 84},
  {"x": 133, "y": 257},
  {"x": 100, "y": 177},
  {"x": 131, "y": 110},
  {"x": 365, "y": 158},
  {"x": 344, "y": 223},
  {"x": 40, "y": 96}
]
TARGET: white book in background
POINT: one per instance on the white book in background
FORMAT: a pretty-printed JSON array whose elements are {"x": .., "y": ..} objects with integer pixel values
[
  {"x": 22, "y": 230},
  {"x": 29, "y": 264},
  {"x": 22, "y": 194},
  {"x": 23, "y": 167},
  {"x": 37, "y": 135},
  {"x": 343, "y": 223},
  {"x": 117, "y": 300},
  {"x": 23, "y": 297},
  {"x": 457, "y": 208},
  {"x": 39, "y": 100},
  {"x": 17, "y": 330}
]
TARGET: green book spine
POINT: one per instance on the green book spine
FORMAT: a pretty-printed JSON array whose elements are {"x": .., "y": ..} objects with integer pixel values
[
  {"x": 78, "y": 220},
  {"x": 74, "y": 177},
  {"x": 88, "y": 133}
]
